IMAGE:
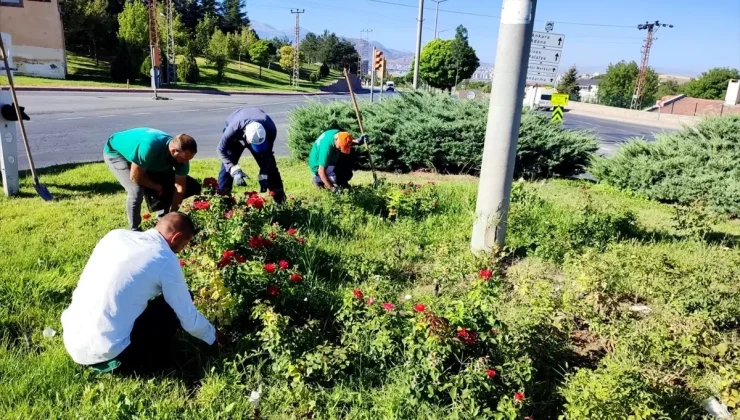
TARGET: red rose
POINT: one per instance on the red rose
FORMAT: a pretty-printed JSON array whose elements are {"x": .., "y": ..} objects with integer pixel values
[
  {"x": 273, "y": 290},
  {"x": 466, "y": 336},
  {"x": 491, "y": 373},
  {"x": 182, "y": 263},
  {"x": 250, "y": 193},
  {"x": 284, "y": 265},
  {"x": 211, "y": 182},
  {"x": 273, "y": 235},
  {"x": 358, "y": 294},
  {"x": 296, "y": 278},
  {"x": 389, "y": 306},
  {"x": 228, "y": 214},
  {"x": 519, "y": 396},
  {"x": 485, "y": 274},
  {"x": 146, "y": 216},
  {"x": 420, "y": 307},
  {"x": 256, "y": 201},
  {"x": 229, "y": 254},
  {"x": 266, "y": 242},
  {"x": 370, "y": 300},
  {"x": 201, "y": 205},
  {"x": 270, "y": 268},
  {"x": 292, "y": 231},
  {"x": 301, "y": 241},
  {"x": 240, "y": 258},
  {"x": 256, "y": 242}
]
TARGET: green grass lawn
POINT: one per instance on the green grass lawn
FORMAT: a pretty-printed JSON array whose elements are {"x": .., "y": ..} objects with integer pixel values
[
  {"x": 85, "y": 72},
  {"x": 662, "y": 360}
]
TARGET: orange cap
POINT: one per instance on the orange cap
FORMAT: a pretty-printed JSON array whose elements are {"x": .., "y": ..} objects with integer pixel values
[{"x": 344, "y": 140}]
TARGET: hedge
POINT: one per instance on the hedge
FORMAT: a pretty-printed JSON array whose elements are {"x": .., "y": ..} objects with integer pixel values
[
  {"x": 700, "y": 164},
  {"x": 423, "y": 131}
]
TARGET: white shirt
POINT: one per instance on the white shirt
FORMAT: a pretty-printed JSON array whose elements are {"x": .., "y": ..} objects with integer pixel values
[{"x": 126, "y": 269}]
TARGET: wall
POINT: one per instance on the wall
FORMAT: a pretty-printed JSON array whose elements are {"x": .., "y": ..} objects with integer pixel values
[{"x": 37, "y": 36}]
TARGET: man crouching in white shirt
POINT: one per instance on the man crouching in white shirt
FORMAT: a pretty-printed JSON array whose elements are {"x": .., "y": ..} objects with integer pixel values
[{"x": 117, "y": 316}]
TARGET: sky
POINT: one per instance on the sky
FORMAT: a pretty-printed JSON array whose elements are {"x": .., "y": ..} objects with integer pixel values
[{"x": 706, "y": 33}]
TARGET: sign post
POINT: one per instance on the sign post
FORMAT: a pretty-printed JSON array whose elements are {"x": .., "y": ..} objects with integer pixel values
[
  {"x": 8, "y": 133},
  {"x": 545, "y": 54}
]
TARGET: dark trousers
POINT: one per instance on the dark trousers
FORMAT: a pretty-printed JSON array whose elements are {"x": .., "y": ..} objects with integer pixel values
[
  {"x": 162, "y": 203},
  {"x": 268, "y": 170},
  {"x": 151, "y": 338},
  {"x": 339, "y": 174}
]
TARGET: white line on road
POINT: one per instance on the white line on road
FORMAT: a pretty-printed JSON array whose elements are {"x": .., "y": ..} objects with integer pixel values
[
  {"x": 142, "y": 113},
  {"x": 70, "y": 118},
  {"x": 105, "y": 116}
]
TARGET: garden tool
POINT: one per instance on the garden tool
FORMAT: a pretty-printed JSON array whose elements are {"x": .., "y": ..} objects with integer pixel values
[
  {"x": 20, "y": 115},
  {"x": 362, "y": 130}
]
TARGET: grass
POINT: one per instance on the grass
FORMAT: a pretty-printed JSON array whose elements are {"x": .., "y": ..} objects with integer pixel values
[
  {"x": 45, "y": 247},
  {"x": 84, "y": 72}
]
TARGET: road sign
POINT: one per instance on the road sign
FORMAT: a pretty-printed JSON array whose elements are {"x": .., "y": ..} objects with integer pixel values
[
  {"x": 549, "y": 26},
  {"x": 540, "y": 80},
  {"x": 548, "y": 39},
  {"x": 542, "y": 69},
  {"x": 545, "y": 55},
  {"x": 557, "y": 115},
  {"x": 471, "y": 95},
  {"x": 560, "y": 99}
]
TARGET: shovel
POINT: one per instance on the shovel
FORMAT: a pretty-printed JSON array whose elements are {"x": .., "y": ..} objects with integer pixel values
[
  {"x": 362, "y": 130},
  {"x": 40, "y": 188}
]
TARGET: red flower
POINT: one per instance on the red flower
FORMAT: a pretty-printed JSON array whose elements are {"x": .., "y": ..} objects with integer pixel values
[
  {"x": 256, "y": 201},
  {"x": 519, "y": 396},
  {"x": 270, "y": 268},
  {"x": 201, "y": 205},
  {"x": 256, "y": 242},
  {"x": 272, "y": 193},
  {"x": 389, "y": 306},
  {"x": 240, "y": 258},
  {"x": 229, "y": 254},
  {"x": 292, "y": 231},
  {"x": 273, "y": 235},
  {"x": 284, "y": 265},
  {"x": 358, "y": 294},
  {"x": 370, "y": 300},
  {"x": 420, "y": 307},
  {"x": 228, "y": 214},
  {"x": 301, "y": 241},
  {"x": 146, "y": 216},
  {"x": 296, "y": 278},
  {"x": 182, "y": 263},
  {"x": 273, "y": 290},
  {"x": 211, "y": 182},
  {"x": 468, "y": 337},
  {"x": 491, "y": 373},
  {"x": 250, "y": 193},
  {"x": 266, "y": 242},
  {"x": 485, "y": 274}
]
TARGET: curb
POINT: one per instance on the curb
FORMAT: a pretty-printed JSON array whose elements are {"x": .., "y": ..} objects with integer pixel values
[{"x": 136, "y": 90}]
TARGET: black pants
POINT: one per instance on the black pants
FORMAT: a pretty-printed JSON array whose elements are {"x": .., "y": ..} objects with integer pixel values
[
  {"x": 339, "y": 174},
  {"x": 151, "y": 338},
  {"x": 163, "y": 202},
  {"x": 268, "y": 170}
]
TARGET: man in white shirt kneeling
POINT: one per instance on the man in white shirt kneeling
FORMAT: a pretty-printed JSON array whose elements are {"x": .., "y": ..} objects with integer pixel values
[{"x": 117, "y": 316}]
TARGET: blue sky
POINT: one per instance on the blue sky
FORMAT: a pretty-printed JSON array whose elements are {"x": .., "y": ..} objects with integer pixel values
[{"x": 706, "y": 34}]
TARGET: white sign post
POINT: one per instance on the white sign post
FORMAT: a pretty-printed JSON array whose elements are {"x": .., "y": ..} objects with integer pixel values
[{"x": 545, "y": 54}]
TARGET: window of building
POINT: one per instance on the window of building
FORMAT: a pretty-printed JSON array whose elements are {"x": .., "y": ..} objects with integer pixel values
[
  {"x": 12, "y": 3},
  {"x": 42, "y": 1}
]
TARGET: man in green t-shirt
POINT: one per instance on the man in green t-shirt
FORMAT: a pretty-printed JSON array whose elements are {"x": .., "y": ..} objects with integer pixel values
[
  {"x": 330, "y": 159},
  {"x": 151, "y": 164}
]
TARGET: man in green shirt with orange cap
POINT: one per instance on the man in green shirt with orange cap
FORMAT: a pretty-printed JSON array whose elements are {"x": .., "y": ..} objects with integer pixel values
[
  {"x": 151, "y": 164},
  {"x": 330, "y": 159}
]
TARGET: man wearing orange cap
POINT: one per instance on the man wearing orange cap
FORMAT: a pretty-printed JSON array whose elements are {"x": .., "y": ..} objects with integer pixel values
[{"x": 330, "y": 159}]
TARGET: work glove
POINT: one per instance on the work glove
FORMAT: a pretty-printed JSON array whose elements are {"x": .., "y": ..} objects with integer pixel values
[
  {"x": 240, "y": 178},
  {"x": 363, "y": 139},
  {"x": 262, "y": 179}
]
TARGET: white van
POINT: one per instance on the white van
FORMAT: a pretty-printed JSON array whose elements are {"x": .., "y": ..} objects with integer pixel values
[
  {"x": 390, "y": 86},
  {"x": 537, "y": 97}
]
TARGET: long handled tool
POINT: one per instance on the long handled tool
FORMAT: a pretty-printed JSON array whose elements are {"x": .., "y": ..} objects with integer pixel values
[
  {"x": 40, "y": 188},
  {"x": 362, "y": 129}
]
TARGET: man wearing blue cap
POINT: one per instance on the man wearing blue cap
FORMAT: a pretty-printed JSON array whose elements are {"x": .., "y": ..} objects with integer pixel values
[{"x": 249, "y": 128}]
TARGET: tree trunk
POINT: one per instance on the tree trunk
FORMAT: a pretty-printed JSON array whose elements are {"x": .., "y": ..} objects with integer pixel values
[
  {"x": 95, "y": 51},
  {"x": 260, "y": 71},
  {"x": 240, "y": 60}
]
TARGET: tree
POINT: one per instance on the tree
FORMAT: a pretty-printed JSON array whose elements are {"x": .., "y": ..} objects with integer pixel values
[
  {"x": 260, "y": 53},
  {"x": 442, "y": 63},
  {"x": 133, "y": 32},
  {"x": 233, "y": 16},
  {"x": 711, "y": 84},
  {"x": 618, "y": 85},
  {"x": 97, "y": 23},
  {"x": 188, "y": 70},
  {"x": 668, "y": 88},
  {"x": 217, "y": 53},
  {"x": 569, "y": 84},
  {"x": 466, "y": 61},
  {"x": 210, "y": 7},
  {"x": 244, "y": 40},
  {"x": 203, "y": 33},
  {"x": 344, "y": 55},
  {"x": 310, "y": 47},
  {"x": 287, "y": 53},
  {"x": 191, "y": 13},
  {"x": 179, "y": 30}
]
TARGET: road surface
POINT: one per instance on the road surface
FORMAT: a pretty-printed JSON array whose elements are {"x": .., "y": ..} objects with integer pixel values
[{"x": 73, "y": 127}]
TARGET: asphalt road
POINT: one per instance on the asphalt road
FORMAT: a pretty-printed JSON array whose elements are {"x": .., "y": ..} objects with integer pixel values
[{"x": 72, "y": 127}]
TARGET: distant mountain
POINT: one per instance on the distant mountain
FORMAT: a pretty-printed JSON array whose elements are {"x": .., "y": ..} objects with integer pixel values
[
  {"x": 389, "y": 53},
  {"x": 265, "y": 31}
]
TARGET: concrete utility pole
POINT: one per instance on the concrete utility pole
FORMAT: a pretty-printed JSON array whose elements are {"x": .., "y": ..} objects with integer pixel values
[
  {"x": 420, "y": 22},
  {"x": 436, "y": 17},
  {"x": 296, "y": 43},
  {"x": 502, "y": 129},
  {"x": 651, "y": 29}
]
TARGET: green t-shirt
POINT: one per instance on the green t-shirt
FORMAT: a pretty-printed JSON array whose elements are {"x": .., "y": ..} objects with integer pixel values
[
  {"x": 323, "y": 152},
  {"x": 146, "y": 147}
]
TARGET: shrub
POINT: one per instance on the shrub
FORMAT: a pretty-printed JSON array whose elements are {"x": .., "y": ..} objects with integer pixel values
[
  {"x": 188, "y": 70},
  {"x": 217, "y": 53},
  {"x": 122, "y": 68},
  {"x": 323, "y": 70},
  {"x": 690, "y": 165},
  {"x": 145, "y": 69},
  {"x": 314, "y": 77},
  {"x": 422, "y": 131}
]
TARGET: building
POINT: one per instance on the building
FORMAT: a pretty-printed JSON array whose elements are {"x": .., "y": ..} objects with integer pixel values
[
  {"x": 589, "y": 89},
  {"x": 37, "y": 37}
]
